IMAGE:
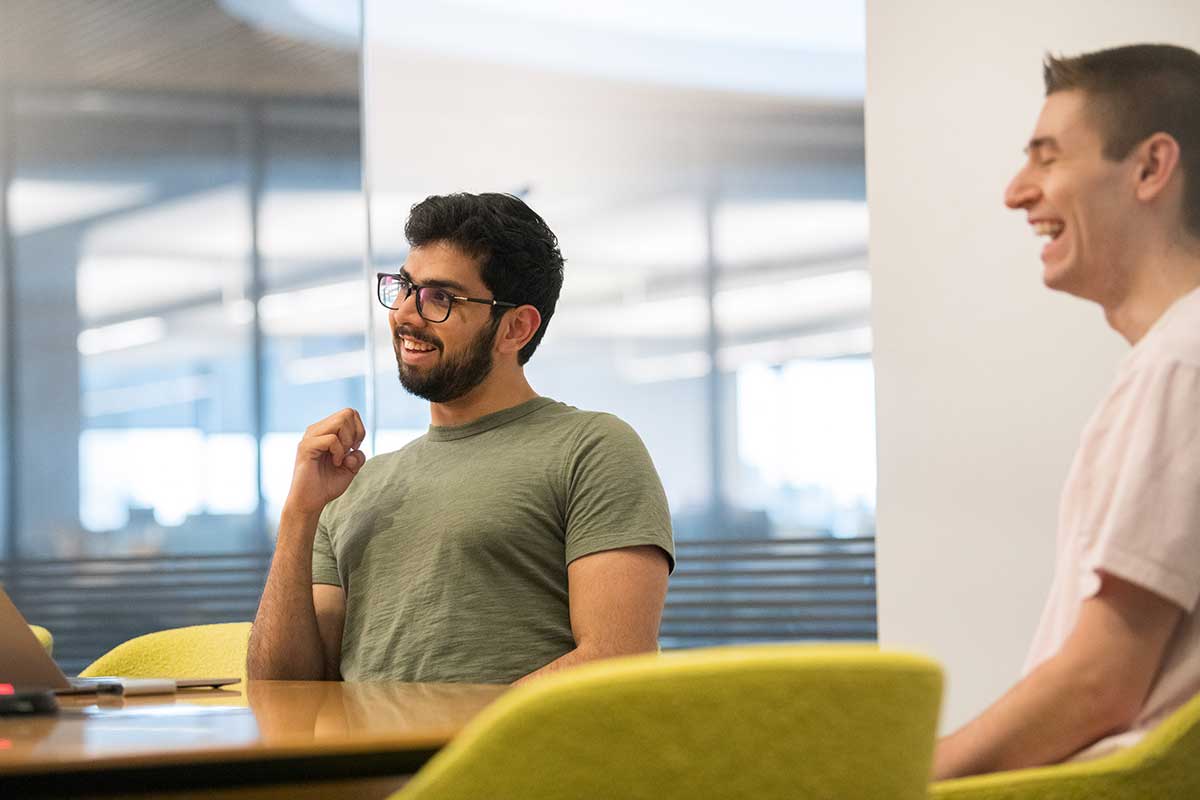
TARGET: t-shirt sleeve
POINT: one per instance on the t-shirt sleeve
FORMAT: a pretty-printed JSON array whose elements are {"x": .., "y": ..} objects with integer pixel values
[
  {"x": 614, "y": 496},
  {"x": 324, "y": 562},
  {"x": 1148, "y": 532}
]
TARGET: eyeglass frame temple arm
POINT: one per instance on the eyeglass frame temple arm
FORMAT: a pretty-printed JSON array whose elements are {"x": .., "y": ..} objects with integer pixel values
[
  {"x": 379, "y": 276},
  {"x": 486, "y": 302}
]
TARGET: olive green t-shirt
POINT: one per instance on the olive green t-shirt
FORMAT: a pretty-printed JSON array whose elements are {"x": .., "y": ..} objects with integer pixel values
[{"x": 453, "y": 550}]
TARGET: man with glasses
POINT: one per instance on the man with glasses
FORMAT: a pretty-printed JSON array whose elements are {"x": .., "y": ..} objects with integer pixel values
[{"x": 517, "y": 537}]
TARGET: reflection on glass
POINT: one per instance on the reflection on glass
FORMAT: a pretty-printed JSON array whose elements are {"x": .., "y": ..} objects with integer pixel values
[
  {"x": 313, "y": 308},
  {"x": 712, "y": 214},
  {"x": 123, "y": 251},
  {"x": 703, "y": 166},
  {"x": 144, "y": 227},
  {"x": 186, "y": 228}
]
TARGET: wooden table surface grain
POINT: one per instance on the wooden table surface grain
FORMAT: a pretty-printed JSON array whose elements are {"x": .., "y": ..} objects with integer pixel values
[{"x": 257, "y": 732}]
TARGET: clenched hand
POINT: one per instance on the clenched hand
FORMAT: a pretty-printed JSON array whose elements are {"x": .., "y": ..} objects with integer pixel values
[{"x": 327, "y": 459}]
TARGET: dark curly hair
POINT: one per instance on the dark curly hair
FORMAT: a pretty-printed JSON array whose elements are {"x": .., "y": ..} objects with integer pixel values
[{"x": 518, "y": 254}]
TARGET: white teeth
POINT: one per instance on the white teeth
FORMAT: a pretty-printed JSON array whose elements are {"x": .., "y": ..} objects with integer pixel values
[
  {"x": 1051, "y": 229},
  {"x": 416, "y": 347}
]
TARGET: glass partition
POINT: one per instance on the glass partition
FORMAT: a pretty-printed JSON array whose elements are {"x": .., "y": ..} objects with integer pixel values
[
  {"x": 313, "y": 310},
  {"x": 182, "y": 227},
  {"x": 184, "y": 286},
  {"x": 702, "y": 165}
]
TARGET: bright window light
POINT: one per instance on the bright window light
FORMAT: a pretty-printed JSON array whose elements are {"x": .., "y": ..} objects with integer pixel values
[
  {"x": 121, "y": 336},
  {"x": 228, "y": 470},
  {"x": 143, "y": 396},
  {"x": 173, "y": 472},
  {"x": 37, "y": 205},
  {"x": 333, "y": 367},
  {"x": 810, "y": 424},
  {"x": 806, "y": 445},
  {"x": 312, "y": 301}
]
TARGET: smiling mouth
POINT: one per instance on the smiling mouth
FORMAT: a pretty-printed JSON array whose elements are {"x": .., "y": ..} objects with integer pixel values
[
  {"x": 415, "y": 345},
  {"x": 1050, "y": 229}
]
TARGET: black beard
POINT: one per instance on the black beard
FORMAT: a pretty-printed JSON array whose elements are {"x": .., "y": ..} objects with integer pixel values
[{"x": 452, "y": 379}]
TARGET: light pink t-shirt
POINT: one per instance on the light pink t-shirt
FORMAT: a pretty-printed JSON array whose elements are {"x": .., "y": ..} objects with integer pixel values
[{"x": 1131, "y": 507}]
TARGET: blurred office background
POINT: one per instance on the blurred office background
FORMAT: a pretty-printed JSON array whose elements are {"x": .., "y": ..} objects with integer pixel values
[{"x": 195, "y": 197}]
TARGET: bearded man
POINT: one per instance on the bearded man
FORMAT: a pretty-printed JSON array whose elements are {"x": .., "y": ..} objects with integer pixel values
[{"x": 517, "y": 537}]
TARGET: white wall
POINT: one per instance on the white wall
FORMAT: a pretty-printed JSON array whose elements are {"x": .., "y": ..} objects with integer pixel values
[{"x": 984, "y": 377}]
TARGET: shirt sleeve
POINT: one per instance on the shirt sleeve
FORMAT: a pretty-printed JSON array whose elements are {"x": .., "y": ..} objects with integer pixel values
[
  {"x": 1148, "y": 528},
  {"x": 324, "y": 562},
  {"x": 614, "y": 496}
]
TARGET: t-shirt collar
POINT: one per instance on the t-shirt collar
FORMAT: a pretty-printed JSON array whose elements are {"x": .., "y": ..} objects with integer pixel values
[
  {"x": 446, "y": 433},
  {"x": 1189, "y": 300}
]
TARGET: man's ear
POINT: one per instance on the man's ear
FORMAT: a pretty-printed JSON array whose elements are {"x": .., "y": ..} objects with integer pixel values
[
  {"x": 1157, "y": 162},
  {"x": 518, "y": 327}
]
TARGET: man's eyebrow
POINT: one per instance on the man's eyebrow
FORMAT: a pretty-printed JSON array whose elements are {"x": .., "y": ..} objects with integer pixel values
[
  {"x": 1040, "y": 143},
  {"x": 435, "y": 282}
]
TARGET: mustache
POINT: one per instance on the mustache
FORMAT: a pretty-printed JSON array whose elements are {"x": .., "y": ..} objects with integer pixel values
[{"x": 410, "y": 333}]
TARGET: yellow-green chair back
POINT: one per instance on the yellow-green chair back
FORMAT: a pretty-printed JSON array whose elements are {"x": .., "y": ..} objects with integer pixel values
[
  {"x": 759, "y": 722},
  {"x": 1164, "y": 764},
  {"x": 199, "y": 651},
  {"x": 44, "y": 638}
]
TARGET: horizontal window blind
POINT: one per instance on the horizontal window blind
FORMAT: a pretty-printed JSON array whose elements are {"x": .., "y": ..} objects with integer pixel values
[
  {"x": 724, "y": 591},
  {"x": 91, "y": 605},
  {"x": 730, "y": 591}
]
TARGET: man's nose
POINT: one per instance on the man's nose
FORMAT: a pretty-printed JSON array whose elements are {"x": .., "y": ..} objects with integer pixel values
[
  {"x": 1022, "y": 192},
  {"x": 405, "y": 312}
]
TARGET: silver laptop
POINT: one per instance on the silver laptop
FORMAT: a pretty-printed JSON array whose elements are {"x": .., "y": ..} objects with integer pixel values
[{"x": 25, "y": 665}]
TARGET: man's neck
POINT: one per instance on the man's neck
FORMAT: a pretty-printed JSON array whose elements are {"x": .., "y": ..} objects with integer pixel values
[
  {"x": 1160, "y": 280},
  {"x": 498, "y": 392}
]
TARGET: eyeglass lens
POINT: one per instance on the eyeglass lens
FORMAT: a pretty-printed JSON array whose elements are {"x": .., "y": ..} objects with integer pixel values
[{"x": 433, "y": 304}]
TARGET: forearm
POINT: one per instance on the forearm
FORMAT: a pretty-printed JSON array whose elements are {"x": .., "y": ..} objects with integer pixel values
[
  {"x": 582, "y": 654},
  {"x": 1057, "y": 710},
  {"x": 616, "y": 601},
  {"x": 285, "y": 642}
]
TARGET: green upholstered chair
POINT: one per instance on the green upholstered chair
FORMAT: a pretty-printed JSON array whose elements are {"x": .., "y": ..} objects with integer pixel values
[
  {"x": 44, "y": 637},
  {"x": 1164, "y": 764},
  {"x": 199, "y": 651},
  {"x": 759, "y": 722}
]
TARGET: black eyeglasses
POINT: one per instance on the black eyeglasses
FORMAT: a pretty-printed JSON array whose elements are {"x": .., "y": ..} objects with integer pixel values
[{"x": 433, "y": 302}]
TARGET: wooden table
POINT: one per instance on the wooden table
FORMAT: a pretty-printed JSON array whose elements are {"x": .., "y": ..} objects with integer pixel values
[{"x": 254, "y": 734}]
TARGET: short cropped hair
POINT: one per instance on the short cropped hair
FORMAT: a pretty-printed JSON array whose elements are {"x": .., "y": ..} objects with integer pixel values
[
  {"x": 518, "y": 254},
  {"x": 1134, "y": 92}
]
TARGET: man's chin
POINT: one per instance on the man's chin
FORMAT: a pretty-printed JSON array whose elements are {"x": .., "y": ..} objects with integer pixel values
[
  {"x": 411, "y": 378},
  {"x": 1056, "y": 276},
  {"x": 415, "y": 387},
  {"x": 1069, "y": 281}
]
